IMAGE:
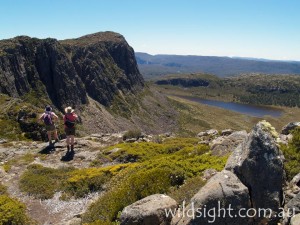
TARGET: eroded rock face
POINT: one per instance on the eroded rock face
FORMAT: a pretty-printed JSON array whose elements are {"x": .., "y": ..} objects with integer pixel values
[
  {"x": 66, "y": 72},
  {"x": 224, "y": 194},
  {"x": 257, "y": 162},
  {"x": 149, "y": 211}
]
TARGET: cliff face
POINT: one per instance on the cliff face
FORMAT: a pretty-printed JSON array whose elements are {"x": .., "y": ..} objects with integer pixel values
[{"x": 98, "y": 65}]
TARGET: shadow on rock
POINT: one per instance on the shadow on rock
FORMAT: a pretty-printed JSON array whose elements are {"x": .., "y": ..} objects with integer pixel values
[
  {"x": 48, "y": 149},
  {"x": 68, "y": 156}
]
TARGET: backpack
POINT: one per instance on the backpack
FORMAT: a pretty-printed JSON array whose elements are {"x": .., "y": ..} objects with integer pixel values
[
  {"x": 47, "y": 119},
  {"x": 69, "y": 123}
]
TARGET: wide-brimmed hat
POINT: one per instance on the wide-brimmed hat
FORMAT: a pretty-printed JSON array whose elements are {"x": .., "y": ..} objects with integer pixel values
[
  {"x": 69, "y": 109},
  {"x": 48, "y": 108}
]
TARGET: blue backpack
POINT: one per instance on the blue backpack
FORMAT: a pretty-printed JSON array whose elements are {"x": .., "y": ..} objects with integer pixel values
[{"x": 47, "y": 119}]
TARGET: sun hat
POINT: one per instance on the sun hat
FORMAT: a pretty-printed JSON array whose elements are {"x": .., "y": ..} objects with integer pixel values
[
  {"x": 69, "y": 109},
  {"x": 48, "y": 108}
]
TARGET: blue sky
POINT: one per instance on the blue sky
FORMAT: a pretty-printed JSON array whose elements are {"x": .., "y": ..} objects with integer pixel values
[{"x": 248, "y": 28}]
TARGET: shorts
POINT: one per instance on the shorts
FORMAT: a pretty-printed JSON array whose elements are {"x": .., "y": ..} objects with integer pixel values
[
  {"x": 70, "y": 131},
  {"x": 50, "y": 128}
]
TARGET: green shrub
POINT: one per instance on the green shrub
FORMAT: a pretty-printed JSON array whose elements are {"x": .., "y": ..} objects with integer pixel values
[
  {"x": 12, "y": 211},
  {"x": 132, "y": 134},
  {"x": 167, "y": 166},
  {"x": 42, "y": 182},
  {"x": 83, "y": 181},
  {"x": 186, "y": 191},
  {"x": 292, "y": 155}
]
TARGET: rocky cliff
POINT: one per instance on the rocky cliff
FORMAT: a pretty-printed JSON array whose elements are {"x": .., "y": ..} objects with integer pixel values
[{"x": 67, "y": 72}]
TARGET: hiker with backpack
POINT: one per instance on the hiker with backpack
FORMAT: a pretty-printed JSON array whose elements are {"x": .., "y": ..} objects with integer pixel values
[
  {"x": 70, "y": 119},
  {"x": 48, "y": 117}
]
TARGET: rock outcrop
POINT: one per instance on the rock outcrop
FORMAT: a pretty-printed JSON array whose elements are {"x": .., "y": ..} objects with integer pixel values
[
  {"x": 289, "y": 127},
  {"x": 100, "y": 65},
  {"x": 217, "y": 202},
  {"x": 257, "y": 162},
  {"x": 149, "y": 211}
]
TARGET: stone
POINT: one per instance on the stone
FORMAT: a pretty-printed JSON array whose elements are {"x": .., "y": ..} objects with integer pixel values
[
  {"x": 208, "y": 173},
  {"x": 294, "y": 204},
  {"x": 222, "y": 192},
  {"x": 225, "y": 144},
  {"x": 295, "y": 220},
  {"x": 257, "y": 162},
  {"x": 226, "y": 132},
  {"x": 148, "y": 211},
  {"x": 289, "y": 127}
]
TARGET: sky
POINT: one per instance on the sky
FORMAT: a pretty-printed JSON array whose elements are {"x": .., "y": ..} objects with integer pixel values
[{"x": 245, "y": 28}]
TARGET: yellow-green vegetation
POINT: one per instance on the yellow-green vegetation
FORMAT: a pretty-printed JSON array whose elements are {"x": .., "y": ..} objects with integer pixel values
[
  {"x": 43, "y": 182},
  {"x": 159, "y": 168},
  {"x": 11, "y": 210},
  {"x": 2, "y": 189},
  {"x": 19, "y": 161},
  {"x": 292, "y": 155},
  {"x": 268, "y": 127},
  {"x": 132, "y": 134},
  {"x": 186, "y": 191}
]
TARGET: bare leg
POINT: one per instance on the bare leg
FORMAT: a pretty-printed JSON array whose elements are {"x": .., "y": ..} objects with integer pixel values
[
  {"x": 55, "y": 135},
  {"x": 49, "y": 136},
  {"x": 72, "y": 142}
]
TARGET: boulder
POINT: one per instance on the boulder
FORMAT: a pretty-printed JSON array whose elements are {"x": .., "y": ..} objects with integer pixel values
[
  {"x": 257, "y": 162},
  {"x": 226, "y": 132},
  {"x": 211, "y": 132},
  {"x": 208, "y": 173},
  {"x": 289, "y": 127},
  {"x": 294, "y": 204},
  {"x": 225, "y": 144},
  {"x": 149, "y": 211},
  {"x": 217, "y": 202},
  {"x": 295, "y": 220}
]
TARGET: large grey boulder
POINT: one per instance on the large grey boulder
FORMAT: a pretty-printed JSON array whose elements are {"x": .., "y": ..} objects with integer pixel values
[
  {"x": 149, "y": 211},
  {"x": 257, "y": 162},
  {"x": 217, "y": 202},
  {"x": 225, "y": 144}
]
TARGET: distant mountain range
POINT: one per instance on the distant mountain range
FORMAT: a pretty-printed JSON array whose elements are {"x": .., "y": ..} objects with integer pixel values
[{"x": 157, "y": 65}]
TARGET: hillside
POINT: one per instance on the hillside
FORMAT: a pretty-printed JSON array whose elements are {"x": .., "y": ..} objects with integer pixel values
[
  {"x": 97, "y": 74},
  {"x": 259, "y": 89},
  {"x": 158, "y": 65}
]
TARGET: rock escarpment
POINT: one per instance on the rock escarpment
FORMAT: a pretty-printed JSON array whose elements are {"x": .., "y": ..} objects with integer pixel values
[{"x": 101, "y": 66}]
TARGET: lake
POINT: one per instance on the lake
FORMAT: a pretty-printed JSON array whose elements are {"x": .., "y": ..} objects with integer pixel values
[{"x": 251, "y": 110}]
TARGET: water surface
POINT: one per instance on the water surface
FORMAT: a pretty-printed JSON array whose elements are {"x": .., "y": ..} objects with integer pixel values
[{"x": 247, "y": 109}]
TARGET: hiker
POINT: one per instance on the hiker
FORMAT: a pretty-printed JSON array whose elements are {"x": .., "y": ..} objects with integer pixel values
[
  {"x": 69, "y": 120},
  {"x": 48, "y": 117}
]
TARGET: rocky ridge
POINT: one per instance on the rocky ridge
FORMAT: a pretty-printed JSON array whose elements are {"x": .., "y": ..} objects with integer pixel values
[{"x": 100, "y": 65}]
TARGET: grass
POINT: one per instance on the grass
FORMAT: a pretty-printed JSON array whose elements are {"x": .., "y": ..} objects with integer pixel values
[{"x": 292, "y": 155}]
